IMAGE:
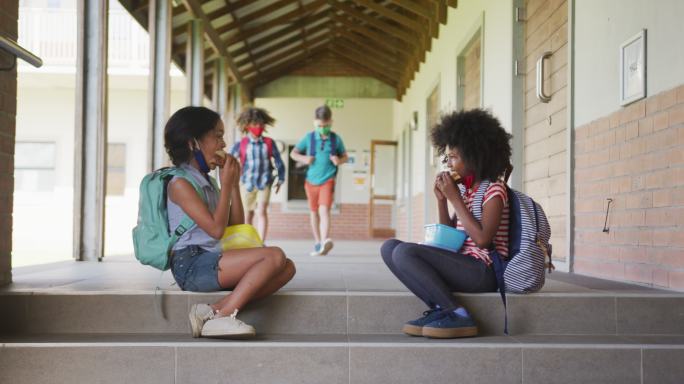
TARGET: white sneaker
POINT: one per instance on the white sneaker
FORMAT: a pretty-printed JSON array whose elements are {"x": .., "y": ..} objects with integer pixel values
[
  {"x": 199, "y": 314},
  {"x": 326, "y": 247},
  {"x": 227, "y": 327}
]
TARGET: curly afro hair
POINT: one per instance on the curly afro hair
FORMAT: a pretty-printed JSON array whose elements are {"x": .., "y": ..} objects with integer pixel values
[
  {"x": 253, "y": 115},
  {"x": 482, "y": 142}
]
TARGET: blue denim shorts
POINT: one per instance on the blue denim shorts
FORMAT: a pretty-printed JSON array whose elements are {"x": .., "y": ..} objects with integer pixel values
[{"x": 196, "y": 269}]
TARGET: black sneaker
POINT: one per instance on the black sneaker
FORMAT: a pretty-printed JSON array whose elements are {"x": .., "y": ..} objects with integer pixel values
[
  {"x": 450, "y": 325},
  {"x": 415, "y": 327}
]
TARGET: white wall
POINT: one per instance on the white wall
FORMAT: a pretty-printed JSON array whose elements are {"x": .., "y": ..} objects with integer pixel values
[
  {"x": 440, "y": 67},
  {"x": 359, "y": 122},
  {"x": 601, "y": 27},
  {"x": 43, "y": 221}
]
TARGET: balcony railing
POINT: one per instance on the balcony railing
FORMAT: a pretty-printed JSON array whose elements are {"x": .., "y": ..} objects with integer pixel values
[{"x": 51, "y": 34}]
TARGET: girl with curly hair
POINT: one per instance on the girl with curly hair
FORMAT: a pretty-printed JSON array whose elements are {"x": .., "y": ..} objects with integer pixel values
[{"x": 476, "y": 149}]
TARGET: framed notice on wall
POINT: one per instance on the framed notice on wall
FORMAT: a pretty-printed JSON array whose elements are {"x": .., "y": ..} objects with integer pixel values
[{"x": 633, "y": 68}]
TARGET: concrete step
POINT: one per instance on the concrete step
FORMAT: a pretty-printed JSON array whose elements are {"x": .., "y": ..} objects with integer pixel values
[
  {"x": 335, "y": 313},
  {"x": 349, "y": 358}
]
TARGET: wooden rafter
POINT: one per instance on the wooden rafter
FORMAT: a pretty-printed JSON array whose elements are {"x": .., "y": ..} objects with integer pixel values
[
  {"x": 383, "y": 50},
  {"x": 389, "y": 61},
  {"x": 382, "y": 25},
  {"x": 268, "y": 40},
  {"x": 390, "y": 14},
  {"x": 277, "y": 71},
  {"x": 393, "y": 67},
  {"x": 371, "y": 58},
  {"x": 427, "y": 13},
  {"x": 288, "y": 51},
  {"x": 263, "y": 53},
  {"x": 361, "y": 63},
  {"x": 228, "y": 8},
  {"x": 386, "y": 39},
  {"x": 214, "y": 39},
  {"x": 256, "y": 15},
  {"x": 273, "y": 22},
  {"x": 376, "y": 36}
]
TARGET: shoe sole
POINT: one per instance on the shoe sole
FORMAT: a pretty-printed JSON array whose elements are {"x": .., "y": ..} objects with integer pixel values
[
  {"x": 195, "y": 327},
  {"x": 327, "y": 246},
  {"x": 232, "y": 336},
  {"x": 449, "y": 333},
  {"x": 412, "y": 330}
]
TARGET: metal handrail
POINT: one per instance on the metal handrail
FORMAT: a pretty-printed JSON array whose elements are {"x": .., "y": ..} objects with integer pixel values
[
  {"x": 540, "y": 78},
  {"x": 17, "y": 50}
]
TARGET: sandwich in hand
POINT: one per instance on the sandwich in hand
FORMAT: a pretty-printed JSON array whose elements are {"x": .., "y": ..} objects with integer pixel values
[
  {"x": 455, "y": 176},
  {"x": 221, "y": 156}
]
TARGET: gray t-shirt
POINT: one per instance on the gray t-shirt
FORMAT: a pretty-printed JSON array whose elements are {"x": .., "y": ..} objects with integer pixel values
[{"x": 196, "y": 235}]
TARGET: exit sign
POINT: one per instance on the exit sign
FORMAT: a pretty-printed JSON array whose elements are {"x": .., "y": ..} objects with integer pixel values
[{"x": 335, "y": 103}]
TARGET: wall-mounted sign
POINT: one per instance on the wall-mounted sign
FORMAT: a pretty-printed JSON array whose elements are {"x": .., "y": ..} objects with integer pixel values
[{"x": 334, "y": 103}]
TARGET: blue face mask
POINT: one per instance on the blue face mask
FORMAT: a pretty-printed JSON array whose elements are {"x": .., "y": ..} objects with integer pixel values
[{"x": 201, "y": 161}]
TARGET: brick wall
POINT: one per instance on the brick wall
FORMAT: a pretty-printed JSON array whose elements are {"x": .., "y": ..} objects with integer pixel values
[
  {"x": 351, "y": 223},
  {"x": 8, "y": 109},
  {"x": 545, "y": 139},
  {"x": 636, "y": 157},
  {"x": 403, "y": 219}
]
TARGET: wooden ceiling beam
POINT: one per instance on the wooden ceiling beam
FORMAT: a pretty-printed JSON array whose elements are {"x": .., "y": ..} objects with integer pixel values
[
  {"x": 267, "y": 40},
  {"x": 283, "y": 68},
  {"x": 442, "y": 11},
  {"x": 256, "y": 15},
  {"x": 426, "y": 12},
  {"x": 401, "y": 72},
  {"x": 360, "y": 62},
  {"x": 390, "y": 14},
  {"x": 372, "y": 45},
  {"x": 418, "y": 9},
  {"x": 383, "y": 26},
  {"x": 228, "y": 8},
  {"x": 381, "y": 64},
  {"x": 378, "y": 37},
  {"x": 371, "y": 62},
  {"x": 264, "y": 52},
  {"x": 287, "y": 51},
  {"x": 196, "y": 9},
  {"x": 272, "y": 23},
  {"x": 453, "y": 3}
]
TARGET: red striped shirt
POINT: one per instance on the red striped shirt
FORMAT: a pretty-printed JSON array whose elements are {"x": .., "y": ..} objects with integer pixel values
[{"x": 495, "y": 190}]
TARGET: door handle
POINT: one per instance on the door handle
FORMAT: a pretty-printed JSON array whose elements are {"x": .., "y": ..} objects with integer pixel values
[{"x": 540, "y": 78}]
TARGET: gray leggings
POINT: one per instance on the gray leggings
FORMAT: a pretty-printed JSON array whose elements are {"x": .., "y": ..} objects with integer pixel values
[{"x": 433, "y": 274}]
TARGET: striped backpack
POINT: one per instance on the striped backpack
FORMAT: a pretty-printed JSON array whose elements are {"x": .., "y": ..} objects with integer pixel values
[{"x": 528, "y": 245}]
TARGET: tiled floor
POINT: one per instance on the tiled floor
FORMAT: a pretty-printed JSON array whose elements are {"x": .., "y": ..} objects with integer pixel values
[{"x": 351, "y": 266}]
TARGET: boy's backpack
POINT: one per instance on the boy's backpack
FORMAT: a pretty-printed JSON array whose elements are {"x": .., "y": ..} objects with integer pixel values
[
  {"x": 152, "y": 239},
  {"x": 528, "y": 245},
  {"x": 243, "y": 148}
]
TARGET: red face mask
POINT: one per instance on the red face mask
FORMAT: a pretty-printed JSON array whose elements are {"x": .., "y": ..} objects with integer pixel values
[
  {"x": 256, "y": 130},
  {"x": 468, "y": 181}
]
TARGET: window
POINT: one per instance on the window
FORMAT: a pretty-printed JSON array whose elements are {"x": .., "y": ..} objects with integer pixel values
[
  {"x": 34, "y": 166},
  {"x": 116, "y": 169}
]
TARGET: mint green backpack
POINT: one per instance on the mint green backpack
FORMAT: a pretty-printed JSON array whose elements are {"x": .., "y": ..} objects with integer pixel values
[{"x": 152, "y": 239}]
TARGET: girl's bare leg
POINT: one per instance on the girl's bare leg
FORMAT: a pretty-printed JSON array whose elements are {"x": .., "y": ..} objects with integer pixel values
[{"x": 252, "y": 272}]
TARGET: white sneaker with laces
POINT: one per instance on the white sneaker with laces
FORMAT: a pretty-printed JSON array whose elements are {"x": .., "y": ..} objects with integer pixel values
[
  {"x": 228, "y": 327},
  {"x": 326, "y": 247},
  {"x": 199, "y": 314}
]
